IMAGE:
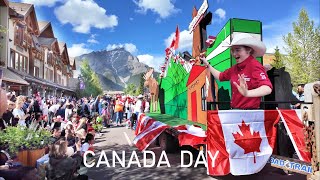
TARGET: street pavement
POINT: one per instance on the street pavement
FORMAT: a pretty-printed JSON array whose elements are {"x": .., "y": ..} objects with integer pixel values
[{"x": 120, "y": 139}]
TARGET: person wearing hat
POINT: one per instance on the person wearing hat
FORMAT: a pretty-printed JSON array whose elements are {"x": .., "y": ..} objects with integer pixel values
[{"x": 248, "y": 78}]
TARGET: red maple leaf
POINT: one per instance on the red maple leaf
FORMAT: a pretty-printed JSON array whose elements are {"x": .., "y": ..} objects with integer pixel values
[{"x": 247, "y": 141}]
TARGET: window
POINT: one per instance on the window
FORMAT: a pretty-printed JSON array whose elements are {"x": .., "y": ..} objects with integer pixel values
[
  {"x": 18, "y": 61},
  {"x": 18, "y": 35},
  {"x": 26, "y": 64},
  {"x": 16, "y": 66},
  {"x": 51, "y": 75},
  {"x": 36, "y": 71},
  {"x": 203, "y": 98},
  {"x": 12, "y": 59},
  {"x": 59, "y": 79}
]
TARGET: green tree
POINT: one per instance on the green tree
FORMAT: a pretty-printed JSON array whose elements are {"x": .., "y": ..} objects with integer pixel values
[
  {"x": 141, "y": 86},
  {"x": 303, "y": 50},
  {"x": 90, "y": 79},
  {"x": 278, "y": 61},
  {"x": 130, "y": 89}
]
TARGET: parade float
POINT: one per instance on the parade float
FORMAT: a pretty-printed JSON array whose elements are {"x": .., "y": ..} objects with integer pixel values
[{"x": 192, "y": 108}]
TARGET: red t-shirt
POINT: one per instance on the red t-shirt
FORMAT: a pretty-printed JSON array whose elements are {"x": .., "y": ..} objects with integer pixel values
[{"x": 255, "y": 76}]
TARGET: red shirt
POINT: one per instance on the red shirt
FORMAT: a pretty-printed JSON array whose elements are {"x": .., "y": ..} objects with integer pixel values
[{"x": 255, "y": 76}]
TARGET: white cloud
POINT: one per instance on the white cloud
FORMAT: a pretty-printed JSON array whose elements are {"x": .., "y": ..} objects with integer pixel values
[
  {"x": 221, "y": 13},
  {"x": 164, "y": 8},
  {"x": 274, "y": 41},
  {"x": 127, "y": 46},
  {"x": 152, "y": 61},
  {"x": 131, "y": 19},
  {"x": 185, "y": 41},
  {"x": 93, "y": 41},
  {"x": 78, "y": 49},
  {"x": 49, "y": 3},
  {"x": 83, "y": 15}
]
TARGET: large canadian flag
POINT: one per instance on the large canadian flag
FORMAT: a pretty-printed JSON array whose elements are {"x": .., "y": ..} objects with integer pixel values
[{"x": 240, "y": 142}]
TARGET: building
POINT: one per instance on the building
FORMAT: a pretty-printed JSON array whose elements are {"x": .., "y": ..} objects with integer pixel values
[
  {"x": 197, "y": 90},
  {"x": 35, "y": 62}
]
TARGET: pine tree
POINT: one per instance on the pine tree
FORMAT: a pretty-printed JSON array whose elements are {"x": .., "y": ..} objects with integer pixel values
[
  {"x": 278, "y": 61},
  {"x": 303, "y": 51}
]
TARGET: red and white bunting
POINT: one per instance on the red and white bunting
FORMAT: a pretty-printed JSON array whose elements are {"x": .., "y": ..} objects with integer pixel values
[
  {"x": 192, "y": 61},
  {"x": 182, "y": 62},
  {"x": 210, "y": 40}
]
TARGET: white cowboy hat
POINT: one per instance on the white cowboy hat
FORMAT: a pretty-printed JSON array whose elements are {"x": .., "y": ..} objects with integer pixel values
[
  {"x": 244, "y": 39},
  {"x": 140, "y": 96}
]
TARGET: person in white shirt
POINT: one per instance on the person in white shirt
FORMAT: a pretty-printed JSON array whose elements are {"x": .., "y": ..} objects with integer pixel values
[
  {"x": 147, "y": 106},
  {"x": 18, "y": 112},
  {"x": 88, "y": 143},
  {"x": 45, "y": 109},
  {"x": 68, "y": 111},
  {"x": 53, "y": 110},
  {"x": 138, "y": 106}
]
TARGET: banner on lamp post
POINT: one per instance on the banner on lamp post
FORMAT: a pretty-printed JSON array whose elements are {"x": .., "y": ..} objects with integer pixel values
[{"x": 82, "y": 85}]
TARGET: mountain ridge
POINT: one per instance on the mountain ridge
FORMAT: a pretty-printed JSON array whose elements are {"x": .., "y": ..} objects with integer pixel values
[{"x": 115, "y": 68}]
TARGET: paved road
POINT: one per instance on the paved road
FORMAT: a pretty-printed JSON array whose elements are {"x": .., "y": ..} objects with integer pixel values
[{"x": 120, "y": 139}]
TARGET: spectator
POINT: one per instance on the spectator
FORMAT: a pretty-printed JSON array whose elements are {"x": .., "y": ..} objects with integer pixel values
[
  {"x": 19, "y": 113},
  {"x": 138, "y": 106},
  {"x": 60, "y": 165},
  {"x": 88, "y": 144},
  {"x": 299, "y": 95},
  {"x": 53, "y": 110},
  {"x": 55, "y": 135},
  {"x": 8, "y": 116},
  {"x": 119, "y": 111}
]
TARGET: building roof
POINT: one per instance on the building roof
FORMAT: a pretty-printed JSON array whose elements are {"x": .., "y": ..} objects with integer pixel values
[
  {"x": 72, "y": 60},
  {"x": 43, "y": 25},
  {"x": 46, "y": 41},
  {"x": 4, "y": 3},
  {"x": 10, "y": 76},
  {"x": 21, "y": 8},
  {"x": 62, "y": 46},
  {"x": 194, "y": 73}
]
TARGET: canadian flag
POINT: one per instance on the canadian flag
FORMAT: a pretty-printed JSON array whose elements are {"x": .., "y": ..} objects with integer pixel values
[
  {"x": 191, "y": 135},
  {"x": 141, "y": 121},
  {"x": 149, "y": 134},
  {"x": 175, "y": 42},
  {"x": 294, "y": 127},
  {"x": 240, "y": 142}
]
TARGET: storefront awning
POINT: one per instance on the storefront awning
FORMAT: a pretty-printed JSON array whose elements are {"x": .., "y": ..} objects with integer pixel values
[{"x": 12, "y": 77}]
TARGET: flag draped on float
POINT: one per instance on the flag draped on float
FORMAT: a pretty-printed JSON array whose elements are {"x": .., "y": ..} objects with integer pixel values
[
  {"x": 148, "y": 130},
  {"x": 239, "y": 142},
  {"x": 242, "y": 141},
  {"x": 294, "y": 127}
]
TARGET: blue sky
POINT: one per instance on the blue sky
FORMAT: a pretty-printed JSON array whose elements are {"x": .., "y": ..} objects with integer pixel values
[{"x": 146, "y": 27}]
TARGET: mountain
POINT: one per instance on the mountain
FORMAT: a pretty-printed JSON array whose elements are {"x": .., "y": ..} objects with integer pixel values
[{"x": 115, "y": 68}]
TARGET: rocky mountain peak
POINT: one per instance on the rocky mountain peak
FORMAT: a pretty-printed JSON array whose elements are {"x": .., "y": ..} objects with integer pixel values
[{"x": 117, "y": 65}]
